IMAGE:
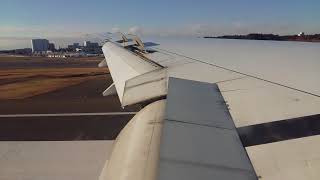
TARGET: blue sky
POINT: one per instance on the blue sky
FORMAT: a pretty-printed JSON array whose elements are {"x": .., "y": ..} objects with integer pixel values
[{"x": 72, "y": 18}]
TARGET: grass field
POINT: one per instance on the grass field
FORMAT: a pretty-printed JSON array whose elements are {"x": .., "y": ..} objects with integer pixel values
[
  {"x": 31, "y": 88},
  {"x": 23, "y": 58},
  {"x": 50, "y": 72}
]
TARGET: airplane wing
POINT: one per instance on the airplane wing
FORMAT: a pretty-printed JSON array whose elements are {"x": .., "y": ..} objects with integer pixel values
[{"x": 206, "y": 121}]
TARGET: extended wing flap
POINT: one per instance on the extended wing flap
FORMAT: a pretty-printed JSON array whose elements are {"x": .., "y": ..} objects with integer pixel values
[{"x": 145, "y": 87}]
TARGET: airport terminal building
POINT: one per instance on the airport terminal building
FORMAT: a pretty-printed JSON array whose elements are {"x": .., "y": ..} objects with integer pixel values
[{"x": 39, "y": 45}]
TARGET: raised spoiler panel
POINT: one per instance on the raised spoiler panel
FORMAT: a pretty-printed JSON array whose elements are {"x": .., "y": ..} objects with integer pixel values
[{"x": 145, "y": 87}]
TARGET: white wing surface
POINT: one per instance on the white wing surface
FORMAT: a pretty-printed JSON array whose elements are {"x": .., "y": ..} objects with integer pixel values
[{"x": 274, "y": 107}]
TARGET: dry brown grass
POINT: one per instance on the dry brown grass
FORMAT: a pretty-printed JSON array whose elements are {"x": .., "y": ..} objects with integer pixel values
[
  {"x": 23, "y": 58},
  {"x": 31, "y": 88},
  {"x": 30, "y": 82},
  {"x": 50, "y": 72}
]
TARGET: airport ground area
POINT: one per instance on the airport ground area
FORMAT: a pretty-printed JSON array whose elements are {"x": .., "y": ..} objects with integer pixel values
[
  {"x": 38, "y": 85},
  {"x": 54, "y": 121}
]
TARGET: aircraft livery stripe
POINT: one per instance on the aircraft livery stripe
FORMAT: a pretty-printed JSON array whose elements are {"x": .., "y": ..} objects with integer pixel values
[{"x": 280, "y": 130}]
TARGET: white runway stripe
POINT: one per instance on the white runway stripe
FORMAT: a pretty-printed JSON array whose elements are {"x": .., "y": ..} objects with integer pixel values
[{"x": 66, "y": 114}]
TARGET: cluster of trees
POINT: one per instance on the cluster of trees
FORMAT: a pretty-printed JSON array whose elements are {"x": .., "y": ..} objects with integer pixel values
[{"x": 274, "y": 37}]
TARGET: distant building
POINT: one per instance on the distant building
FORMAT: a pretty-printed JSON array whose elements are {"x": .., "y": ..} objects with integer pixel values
[
  {"x": 52, "y": 47},
  {"x": 91, "y": 47},
  {"x": 25, "y": 51},
  {"x": 94, "y": 45},
  {"x": 39, "y": 45},
  {"x": 86, "y": 43},
  {"x": 89, "y": 44},
  {"x": 76, "y": 45},
  {"x": 301, "y": 34}
]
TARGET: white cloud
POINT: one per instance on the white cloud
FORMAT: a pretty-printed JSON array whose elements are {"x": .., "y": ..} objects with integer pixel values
[
  {"x": 136, "y": 30},
  {"x": 115, "y": 30}
]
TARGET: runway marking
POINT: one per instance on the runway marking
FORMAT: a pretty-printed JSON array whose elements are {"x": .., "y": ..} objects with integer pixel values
[{"x": 66, "y": 114}]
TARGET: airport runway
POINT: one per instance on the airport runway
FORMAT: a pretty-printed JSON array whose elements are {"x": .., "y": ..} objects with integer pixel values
[
  {"x": 65, "y": 114},
  {"x": 77, "y": 112},
  {"x": 62, "y": 128}
]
